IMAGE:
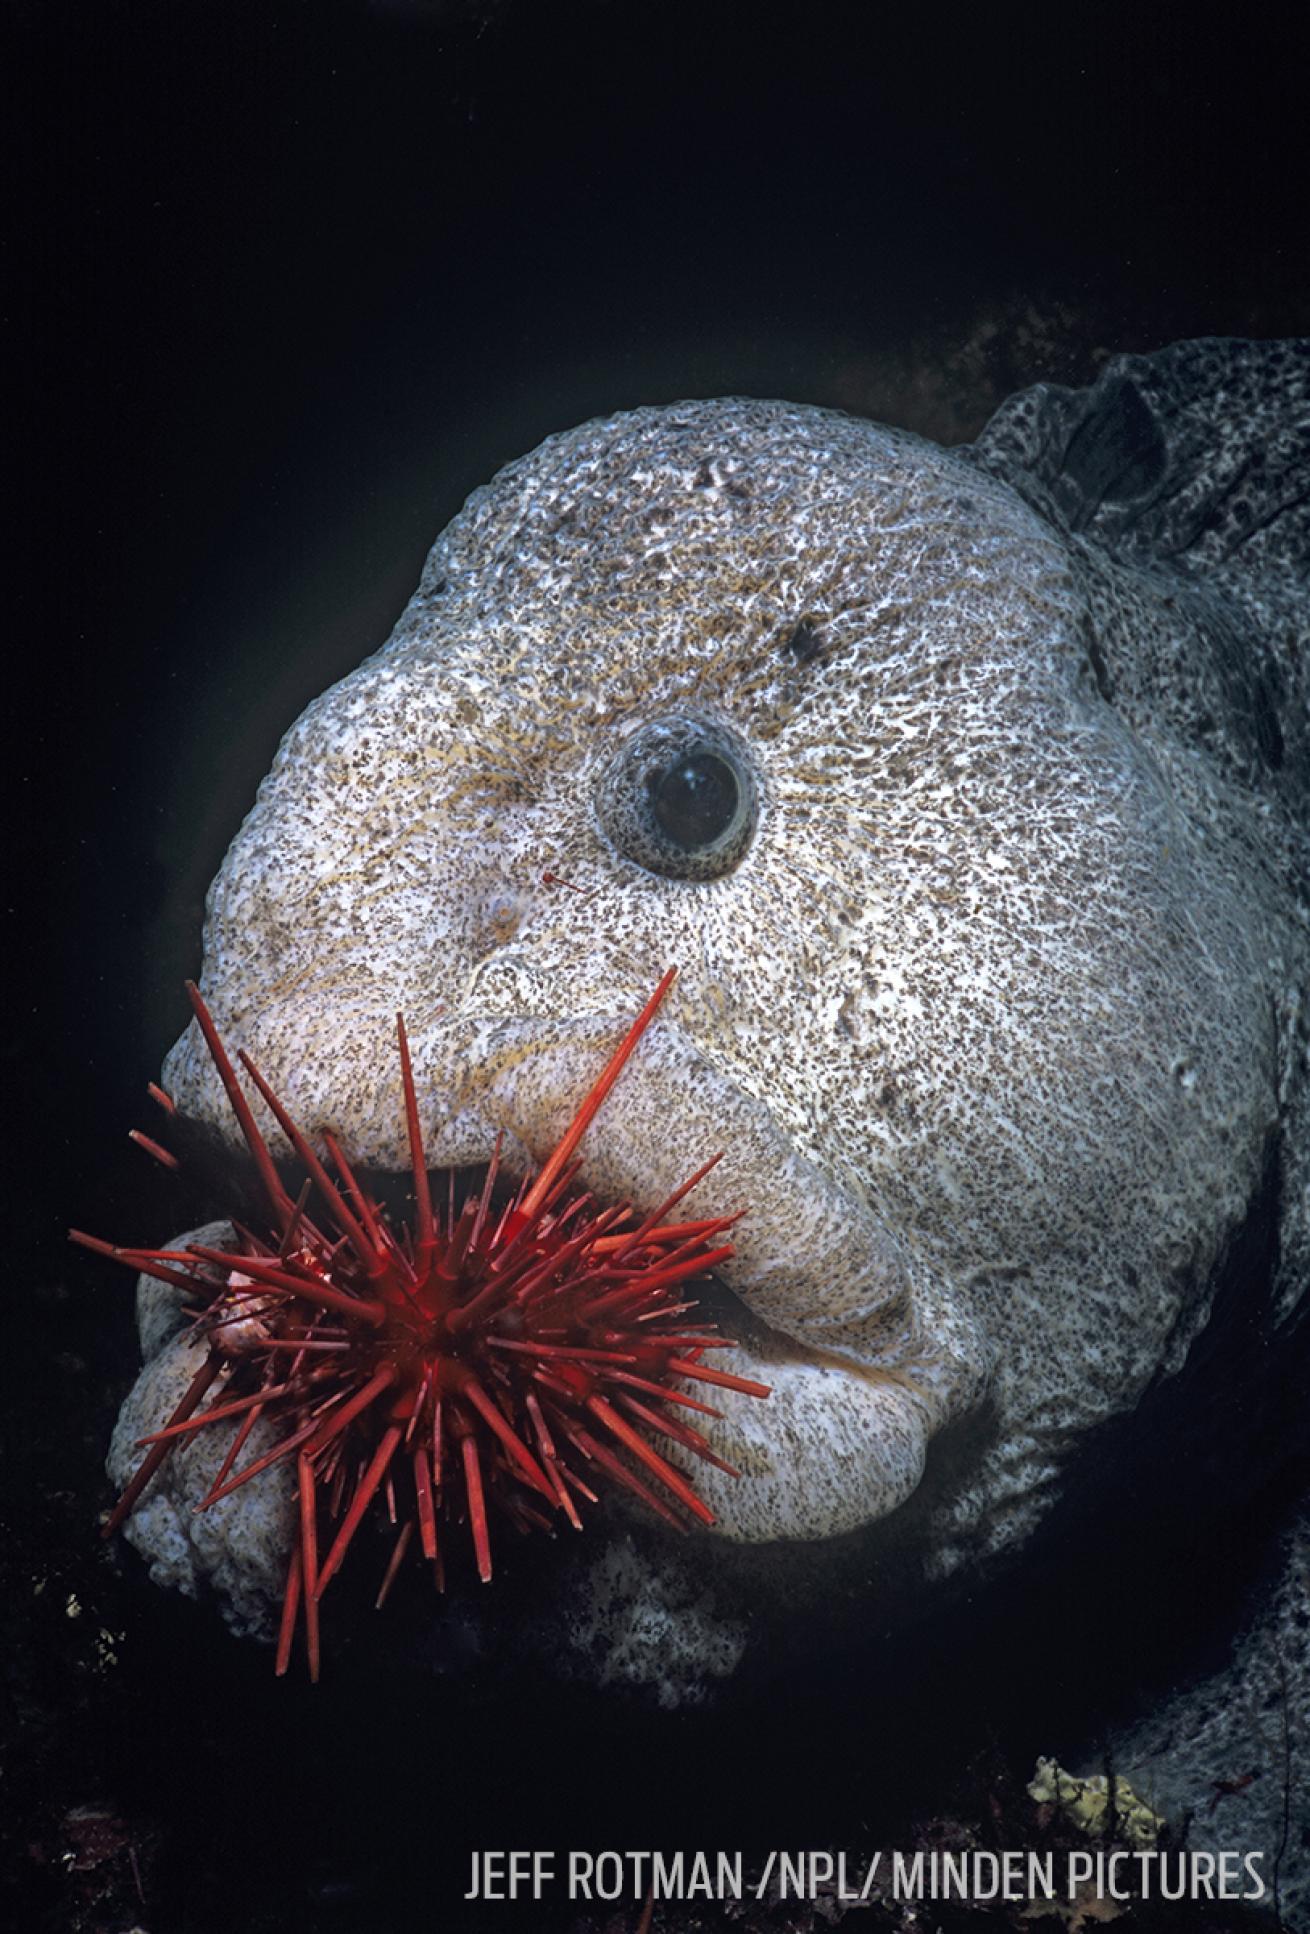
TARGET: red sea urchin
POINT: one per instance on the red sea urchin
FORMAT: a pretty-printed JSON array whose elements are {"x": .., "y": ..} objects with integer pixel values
[{"x": 488, "y": 1359}]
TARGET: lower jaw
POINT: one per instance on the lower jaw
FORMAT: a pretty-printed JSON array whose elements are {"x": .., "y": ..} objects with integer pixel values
[{"x": 829, "y": 1452}]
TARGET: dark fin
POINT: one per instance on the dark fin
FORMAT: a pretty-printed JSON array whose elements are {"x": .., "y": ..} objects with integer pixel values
[{"x": 1199, "y": 453}]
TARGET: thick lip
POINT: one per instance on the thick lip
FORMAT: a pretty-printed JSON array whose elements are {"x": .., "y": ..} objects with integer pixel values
[
  {"x": 228, "y": 1184},
  {"x": 867, "y": 1356}
]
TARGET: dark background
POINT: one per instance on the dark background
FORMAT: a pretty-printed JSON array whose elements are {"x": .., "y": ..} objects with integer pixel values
[{"x": 283, "y": 284}]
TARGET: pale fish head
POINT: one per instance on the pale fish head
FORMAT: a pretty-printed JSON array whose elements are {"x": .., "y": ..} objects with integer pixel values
[{"x": 978, "y": 988}]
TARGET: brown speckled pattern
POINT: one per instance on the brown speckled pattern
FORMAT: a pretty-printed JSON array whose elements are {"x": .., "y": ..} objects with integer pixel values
[{"x": 1000, "y": 1007}]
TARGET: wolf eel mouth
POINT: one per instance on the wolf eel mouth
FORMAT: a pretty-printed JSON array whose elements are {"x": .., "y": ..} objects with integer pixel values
[{"x": 867, "y": 1355}]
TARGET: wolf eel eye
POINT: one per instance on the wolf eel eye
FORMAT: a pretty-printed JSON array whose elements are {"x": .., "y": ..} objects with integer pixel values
[
  {"x": 695, "y": 799},
  {"x": 679, "y": 798}
]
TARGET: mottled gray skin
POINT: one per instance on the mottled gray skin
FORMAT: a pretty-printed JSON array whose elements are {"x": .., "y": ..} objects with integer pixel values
[
  {"x": 1003, "y": 1008},
  {"x": 236, "y": 1550}
]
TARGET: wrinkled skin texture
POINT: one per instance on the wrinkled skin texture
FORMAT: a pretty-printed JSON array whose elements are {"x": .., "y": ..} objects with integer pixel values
[{"x": 1001, "y": 1010}]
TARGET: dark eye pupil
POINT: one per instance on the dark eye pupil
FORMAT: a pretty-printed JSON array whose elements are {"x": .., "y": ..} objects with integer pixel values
[{"x": 695, "y": 799}]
